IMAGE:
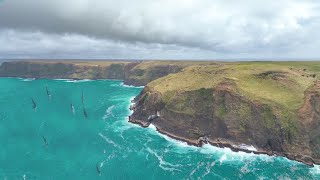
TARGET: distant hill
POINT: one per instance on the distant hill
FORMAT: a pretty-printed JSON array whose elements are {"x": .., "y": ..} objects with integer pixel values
[{"x": 272, "y": 106}]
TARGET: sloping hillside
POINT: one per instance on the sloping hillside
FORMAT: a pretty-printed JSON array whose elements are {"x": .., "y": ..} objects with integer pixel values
[{"x": 272, "y": 106}]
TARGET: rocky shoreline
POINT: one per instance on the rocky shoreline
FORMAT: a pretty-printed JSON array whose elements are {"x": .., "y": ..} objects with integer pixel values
[
  {"x": 226, "y": 144},
  {"x": 216, "y": 114}
]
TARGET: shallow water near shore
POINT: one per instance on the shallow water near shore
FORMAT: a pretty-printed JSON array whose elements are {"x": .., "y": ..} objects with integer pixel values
[{"x": 121, "y": 150}]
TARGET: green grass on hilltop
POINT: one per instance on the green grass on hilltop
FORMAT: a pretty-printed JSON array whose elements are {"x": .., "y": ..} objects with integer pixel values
[{"x": 281, "y": 83}]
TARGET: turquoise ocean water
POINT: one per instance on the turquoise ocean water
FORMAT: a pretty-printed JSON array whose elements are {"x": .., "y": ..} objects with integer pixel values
[{"x": 77, "y": 146}]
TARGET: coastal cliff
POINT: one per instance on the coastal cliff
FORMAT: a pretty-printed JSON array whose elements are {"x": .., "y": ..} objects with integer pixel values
[
  {"x": 132, "y": 72},
  {"x": 259, "y": 107},
  {"x": 263, "y": 108},
  {"x": 66, "y": 70}
]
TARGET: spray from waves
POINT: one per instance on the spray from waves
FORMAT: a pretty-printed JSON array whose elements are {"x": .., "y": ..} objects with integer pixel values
[
  {"x": 78, "y": 81},
  {"x": 108, "y": 140},
  {"x": 223, "y": 158},
  {"x": 227, "y": 155},
  {"x": 109, "y": 112},
  {"x": 183, "y": 146},
  {"x": 130, "y": 86},
  {"x": 62, "y": 79},
  {"x": 224, "y": 154},
  {"x": 164, "y": 164},
  {"x": 247, "y": 147},
  {"x": 247, "y": 162},
  {"x": 315, "y": 171}
]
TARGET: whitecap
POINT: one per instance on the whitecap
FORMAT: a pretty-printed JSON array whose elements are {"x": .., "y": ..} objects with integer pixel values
[
  {"x": 315, "y": 170},
  {"x": 109, "y": 157},
  {"x": 200, "y": 164},
  {"x": 28, "y": 79},
  {"x": 223, "y": 158},
  {"x": 247, "y": 147},
  {"x": 164, "y": 164},
  {"x": 108, "y": 140},
  {"x": 109, "y": 112},
  {"x": 152, "y": 129},
  {"x": 130, "y": 86},
  {"x": 78, "y": 81},
  {"x": 62, "y": 79},
  {"x": 208, "y": 168},
  {"x": 225, "y": 154}
]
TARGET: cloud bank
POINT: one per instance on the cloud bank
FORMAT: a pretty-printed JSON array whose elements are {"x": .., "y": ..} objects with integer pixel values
[{"x": 166, "y": 29}]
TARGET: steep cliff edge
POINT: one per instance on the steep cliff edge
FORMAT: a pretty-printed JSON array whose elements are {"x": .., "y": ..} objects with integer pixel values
[
  {"x": 67, "y": 70},
  {"x": 132, "y": 72},
  {"x": 260, "y": 107},
  {"x": 273, "y": 107}
]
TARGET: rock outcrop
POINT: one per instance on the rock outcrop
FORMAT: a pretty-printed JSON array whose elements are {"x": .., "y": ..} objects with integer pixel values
[
  {"x": 132, "y": 72},
  {"x": 263, "y": 108},
  {"x": 224, "y": 116},
  {"x": 228, "y": 119},
  {"x": 66, "y": 70}
]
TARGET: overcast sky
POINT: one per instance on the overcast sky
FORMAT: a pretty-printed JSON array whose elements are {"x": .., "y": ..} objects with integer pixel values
[{"x": 160, "y": 29}]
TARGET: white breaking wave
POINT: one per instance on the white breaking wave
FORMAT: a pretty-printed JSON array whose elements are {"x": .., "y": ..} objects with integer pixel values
[
  {"x": 73, "y": 110},
  {"x": 315, "y": 170},
  {"x": 28, "y": 79},
  {"x": 223, "y": 158},
  {"x": 62, "y": 79},
  {"x": 109, "y": 157},
  {"x": 164, "y": 164},
  {"x": 109, "y": 112},
  {"x": 195, "y": 169},
  {"x": 247, "y": 147},
  {"x": 208, "y": 168},
  {"x": 225, "y": 154},
  {"x": 131, "y": 86},
  {"x": 108, "y": 140},
  {"x": 178, "y": 143},
  {"x": 78, "y": 81}
]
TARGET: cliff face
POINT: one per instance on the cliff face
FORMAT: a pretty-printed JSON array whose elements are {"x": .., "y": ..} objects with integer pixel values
[
  {"x": 65, "y": 70},
  {"x": 220, "y": 111},
  {"x": 274, "y": 107},
  {"x": 133, "y": 73},
  {"x": 147, "y": 71},
  {"x": 309, "y": 116}
]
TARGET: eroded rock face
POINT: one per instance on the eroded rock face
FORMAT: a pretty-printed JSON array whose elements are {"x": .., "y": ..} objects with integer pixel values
[
  {"x": 220, "y": 115},
  {"x": 140, "y": 77},
  {"x": 223, "y": 115},
  {"x": 121, "y": 71},
  {"x": 309, "y": 116},
  {"x": 36, "y": 70}
]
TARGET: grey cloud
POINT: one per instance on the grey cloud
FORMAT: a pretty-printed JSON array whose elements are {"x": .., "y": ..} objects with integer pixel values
[
  {"x": 213, "y": 28},
  {"x": 31, "y": 44}
]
